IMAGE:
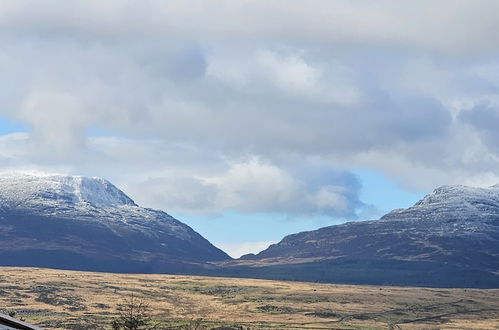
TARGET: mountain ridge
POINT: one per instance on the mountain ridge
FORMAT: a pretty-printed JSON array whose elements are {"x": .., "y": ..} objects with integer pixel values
[
  {"x": 33, "y": 189},
  {"x": 75, "y": 222},
  {"x": 448, "y": 238}
]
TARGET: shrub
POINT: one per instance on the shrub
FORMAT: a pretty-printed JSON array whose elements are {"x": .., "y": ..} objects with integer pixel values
[{"x": 133, "y": 315}]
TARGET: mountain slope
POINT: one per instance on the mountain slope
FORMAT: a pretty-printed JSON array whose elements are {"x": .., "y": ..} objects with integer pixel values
[
  {"x": 449, "y": 238},
  {"x": 83, "y": 223}
]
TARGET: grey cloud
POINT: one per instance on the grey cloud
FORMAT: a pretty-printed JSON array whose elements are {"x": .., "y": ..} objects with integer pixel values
[
  {"x": 485, "y": 120},
  {"x": 178, "y": 178},
  {"x": 464, "y": 26},
  {"x": 192, "y": 88},
  {"x": 162, "y": 97},
  {"x": 254, "y": 185},
  {"x": 187, "y": 194},
  {"x": 483, "y": 117}
]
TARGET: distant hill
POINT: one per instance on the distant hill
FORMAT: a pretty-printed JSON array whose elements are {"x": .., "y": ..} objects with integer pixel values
[
  {"x": 448, "y": 239},
  {"x": 73, "y": 222}
]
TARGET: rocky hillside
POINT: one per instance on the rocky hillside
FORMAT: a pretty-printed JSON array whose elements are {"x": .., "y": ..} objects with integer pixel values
[
  {"x": 73, "y": 222},
  {"x": 449, "y": 238}
]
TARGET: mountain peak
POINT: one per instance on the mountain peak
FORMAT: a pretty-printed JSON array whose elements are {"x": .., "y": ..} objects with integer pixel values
[
  {"x": 25, "y": 189},
  {"x": 449, "y": 238},
  {"x": 452, "y": 202},
  {"x": 444, "y": 193},
  {"x": 76, "y": 222}
]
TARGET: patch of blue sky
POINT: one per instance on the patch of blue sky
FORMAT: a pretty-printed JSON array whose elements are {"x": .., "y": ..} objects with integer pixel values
[
  {"x": 384, "y": 193},
  {"x": 236, "y": 227},
  {"x": 9, "y": 126},
  {"x": 377, "y": 190}
]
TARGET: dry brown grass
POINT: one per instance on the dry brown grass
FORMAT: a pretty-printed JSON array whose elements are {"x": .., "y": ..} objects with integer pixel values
[{"x": 83, "y": 300}]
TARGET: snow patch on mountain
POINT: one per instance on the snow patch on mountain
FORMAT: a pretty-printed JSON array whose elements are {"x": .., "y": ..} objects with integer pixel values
[
  {"x": 84, "y": 215},
  {"x": 85, "y": 199},
  {"x": 452, "y": 203},
  {"x": 20, "y": 189},
  {"x": 460, "y": 194}
]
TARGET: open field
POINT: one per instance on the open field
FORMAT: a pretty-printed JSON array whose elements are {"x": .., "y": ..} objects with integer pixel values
[{"x": 58, "y": 299}]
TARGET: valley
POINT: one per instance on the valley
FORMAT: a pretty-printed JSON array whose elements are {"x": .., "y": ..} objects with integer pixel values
[{"x": 57, "y": 299}]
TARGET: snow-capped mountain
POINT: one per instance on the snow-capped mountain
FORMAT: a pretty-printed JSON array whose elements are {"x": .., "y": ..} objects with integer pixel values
[
  {"x": 449, "y": 238},
  {"x": 87, "y": 223},
  {"x": 56, "y": 190},
  {"x": 458, "y": 203}
]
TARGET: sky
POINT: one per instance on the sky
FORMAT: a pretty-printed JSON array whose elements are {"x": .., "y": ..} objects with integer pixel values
[{"x": 252, "y": 120}]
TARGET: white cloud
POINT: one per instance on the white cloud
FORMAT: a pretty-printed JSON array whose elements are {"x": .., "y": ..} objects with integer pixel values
[
  {"x": 231, "y": 105},
  {"x": 254, "y": 186},
  {"x": 169, "y": 177},
  {"x": 329, "y": 197},
  {"x": 448, "y": 26},
  {"x": 250, "y": 186},
  {"x": 291, "y": 72},
  {"x": 58, "y": 120}
]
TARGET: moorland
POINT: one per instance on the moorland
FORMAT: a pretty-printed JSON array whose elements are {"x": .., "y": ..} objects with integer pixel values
[{"x": 58, "y": 299}]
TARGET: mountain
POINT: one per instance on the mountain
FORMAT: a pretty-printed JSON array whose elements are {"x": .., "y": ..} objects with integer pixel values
[
  {"x": 449, "y": 238},
  {"x": 74, "y": 222}
]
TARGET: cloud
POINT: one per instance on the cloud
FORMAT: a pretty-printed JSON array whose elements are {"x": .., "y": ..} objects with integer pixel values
[
  {"x": 485, "y": 118},
  {"x": 58, "y": 120},
  {"x": 253, "y": 186},
  {"x": 464, "y": 26},
  {"x": 176, "y": 194},
  {"x": 297, "y": 101},
  {"x": 170, "y": 178},
  {"x": 252, "y": 106},
  {"x": 257, "y": 186},
  {"x": 290, "y": 73}
]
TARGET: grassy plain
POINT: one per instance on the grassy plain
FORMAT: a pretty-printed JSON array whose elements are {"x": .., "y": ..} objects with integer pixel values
[{"x": 56, "y": 299}]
